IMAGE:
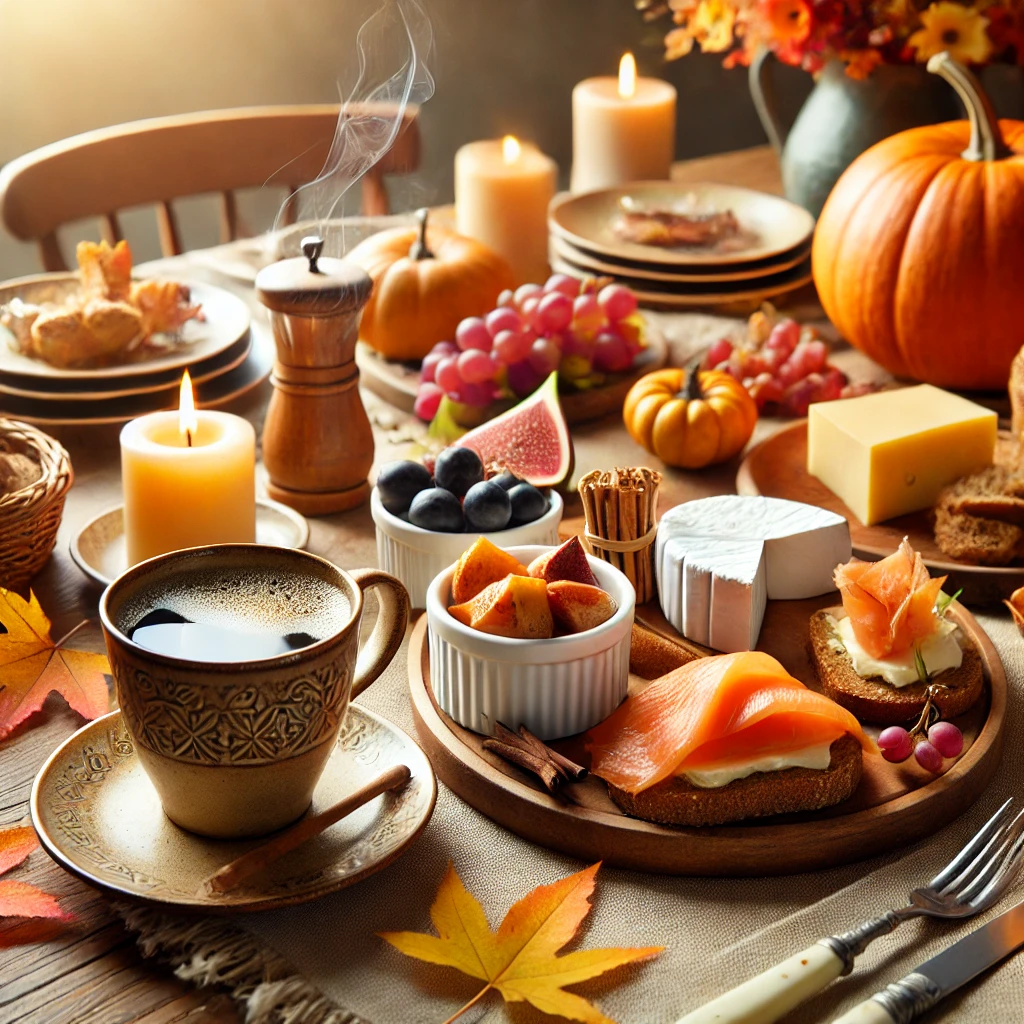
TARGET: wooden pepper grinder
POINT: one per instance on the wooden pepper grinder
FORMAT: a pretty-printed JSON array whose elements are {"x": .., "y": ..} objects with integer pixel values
[{"x": 317, "y": 442}]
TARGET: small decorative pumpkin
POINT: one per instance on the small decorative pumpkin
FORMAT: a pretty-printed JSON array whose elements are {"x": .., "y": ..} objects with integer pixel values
[
  {"x": 918, "y": 254},
  {"x": 424, "y": 282},
  {"x": 688, "y": 418}
]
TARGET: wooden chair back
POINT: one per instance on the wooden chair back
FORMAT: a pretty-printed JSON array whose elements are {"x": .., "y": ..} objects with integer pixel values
[{"x": 158, "y": 160}]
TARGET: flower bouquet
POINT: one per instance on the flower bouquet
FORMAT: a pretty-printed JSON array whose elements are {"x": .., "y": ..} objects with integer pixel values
[{"x": 861, "y": 33}]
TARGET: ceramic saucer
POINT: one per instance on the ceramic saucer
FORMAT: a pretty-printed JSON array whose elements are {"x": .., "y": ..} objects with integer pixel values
[
  {"x": 98, "y": 549},
  {"x": 99, "y": 817}
]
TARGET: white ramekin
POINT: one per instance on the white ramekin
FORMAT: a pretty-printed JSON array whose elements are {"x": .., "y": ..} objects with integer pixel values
[
  {"x": 416, "y": 556},
  {"x": 555, "y": 687}
]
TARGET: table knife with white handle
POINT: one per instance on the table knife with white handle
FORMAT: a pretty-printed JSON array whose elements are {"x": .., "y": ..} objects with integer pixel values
[{"x": 919, "y": 991}]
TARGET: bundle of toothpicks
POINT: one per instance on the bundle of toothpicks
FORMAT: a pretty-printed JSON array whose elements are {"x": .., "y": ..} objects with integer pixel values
[{"x": 621, "y": 508}]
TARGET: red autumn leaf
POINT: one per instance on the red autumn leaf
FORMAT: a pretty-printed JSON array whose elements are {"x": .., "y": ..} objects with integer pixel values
[
  {"x": 19, "y": 899},
  {"x": 15, "y": 845},
  {"x": 27, "y": 914},
  {"x": 32, "y": 665}
]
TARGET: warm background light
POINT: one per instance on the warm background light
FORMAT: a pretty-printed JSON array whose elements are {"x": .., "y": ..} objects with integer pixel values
[
  {"x": 187, "y": 420},
  {"x": 510, "y": 149},
  {"x": 627, "y": 76}
]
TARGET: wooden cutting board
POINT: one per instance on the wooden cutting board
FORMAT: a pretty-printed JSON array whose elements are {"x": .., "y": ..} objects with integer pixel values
[{"x": 894, "y": 805}]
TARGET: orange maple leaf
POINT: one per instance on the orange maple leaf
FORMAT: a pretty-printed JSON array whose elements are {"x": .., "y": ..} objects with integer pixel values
[
  {"x": 31, "y": 665},
  {"x": 519, "y": 959},
  {"x": 20, "y": 899}
]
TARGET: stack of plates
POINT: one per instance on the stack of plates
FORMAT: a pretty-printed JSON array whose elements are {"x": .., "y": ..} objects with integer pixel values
[
  {"x": 771, "y": 254},
  {"x": 220, "y": 353}
]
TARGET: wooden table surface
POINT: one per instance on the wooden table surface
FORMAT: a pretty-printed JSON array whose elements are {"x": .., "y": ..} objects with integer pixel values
[{"x": 91, "y": 972}]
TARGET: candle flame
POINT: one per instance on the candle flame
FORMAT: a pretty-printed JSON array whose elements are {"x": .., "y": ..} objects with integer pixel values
[
  {"x": 188, "y": 423},
  {"x": 627, "y": 76},
  {"x": 510, "y": 149}
]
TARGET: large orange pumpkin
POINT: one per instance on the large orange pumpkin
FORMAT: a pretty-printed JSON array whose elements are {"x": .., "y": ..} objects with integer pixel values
[
  {"x": 918, "y": 255},
  {"x": 425, "y": 280},
  {"x": 688, "y": 418}
]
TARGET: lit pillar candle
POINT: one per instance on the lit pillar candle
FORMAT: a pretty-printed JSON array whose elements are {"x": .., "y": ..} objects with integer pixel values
[
  {"x": 623, "y": 129},
  {"x": 502, "y": 192},
  {"x": 189, "y": 479}
]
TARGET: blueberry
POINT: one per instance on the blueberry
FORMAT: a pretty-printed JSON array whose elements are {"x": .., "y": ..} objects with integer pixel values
[
  {"x": 487, "y": 507},
  {"x": 457, "y": 469},
  {"x": 399, "y": 482},
  {"x": 506, "y": 481},
  {"x": 528, "y": 503},
  {"x": 436, "y": 509}
]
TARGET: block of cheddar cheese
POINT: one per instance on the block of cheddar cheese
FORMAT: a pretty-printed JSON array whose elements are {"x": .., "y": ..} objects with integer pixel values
[{"x": 891, "y": 452}]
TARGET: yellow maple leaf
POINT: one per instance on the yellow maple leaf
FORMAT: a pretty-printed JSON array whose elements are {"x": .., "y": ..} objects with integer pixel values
[
  {"x": 519, "y": 959},
  {"x": 32, "y": 665}
]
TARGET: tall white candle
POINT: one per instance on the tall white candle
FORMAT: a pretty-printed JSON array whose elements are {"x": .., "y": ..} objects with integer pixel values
[
  {"x": 189, "y": 479},
  {"x": 502, "y": 191},
  {"x": 623, "y": 129}
]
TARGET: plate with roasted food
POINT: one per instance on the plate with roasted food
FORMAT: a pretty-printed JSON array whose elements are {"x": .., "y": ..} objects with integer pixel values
[
  {"x": 103, "y": 323},
  {"x": 669, "y": 224}
]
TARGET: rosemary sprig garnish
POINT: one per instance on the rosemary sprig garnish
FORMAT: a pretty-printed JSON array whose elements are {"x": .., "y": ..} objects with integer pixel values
[
  {"x": 944, "y": 601},
  {"x": 922, "y": 669}
]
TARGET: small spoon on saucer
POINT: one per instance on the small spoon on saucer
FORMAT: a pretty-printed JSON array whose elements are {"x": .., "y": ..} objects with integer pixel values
[{"x": 242, "y": 868}]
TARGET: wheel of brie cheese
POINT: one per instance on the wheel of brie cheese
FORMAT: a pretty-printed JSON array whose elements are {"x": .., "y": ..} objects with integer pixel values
[{"x": 720, "y": 560}]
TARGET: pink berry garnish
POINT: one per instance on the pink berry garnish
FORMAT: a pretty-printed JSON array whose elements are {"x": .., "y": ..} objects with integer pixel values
[
  {"x": 504, "y": 318},
  {"x": 563, "y": 283},
  {"x": 894, "y": 744},
  {"x": 472, "y": 333},
  {"x": 947, "y": 739},
  {"x": 528, "y": 291},
  {"x": 428, "y": 398},
  {"x": 928, "y": 757},
  {"x": 617, "y": 301}
]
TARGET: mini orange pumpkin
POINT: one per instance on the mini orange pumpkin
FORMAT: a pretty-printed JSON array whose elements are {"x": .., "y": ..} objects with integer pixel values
[
  {"x": 919, "y": 251},
  {"x": 424, "y": 282},
  {"x": 689, "y": 418}
]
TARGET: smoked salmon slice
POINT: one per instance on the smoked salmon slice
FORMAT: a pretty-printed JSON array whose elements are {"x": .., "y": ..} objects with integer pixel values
[
  {"x": 891, "y": 603},
  {"x": 714, "y": 711}
]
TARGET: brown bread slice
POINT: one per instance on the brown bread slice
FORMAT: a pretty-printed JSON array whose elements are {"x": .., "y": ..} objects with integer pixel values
[
  {"x": 874, "y": 700},
  {"x": 971, "y": 538},
  {"x": 677, "y": 802},
  {"x": 1004, "y": 507}
]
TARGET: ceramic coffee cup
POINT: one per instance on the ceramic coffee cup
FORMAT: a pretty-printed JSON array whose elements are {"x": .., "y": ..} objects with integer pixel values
[{"x": 235, "y": 748}]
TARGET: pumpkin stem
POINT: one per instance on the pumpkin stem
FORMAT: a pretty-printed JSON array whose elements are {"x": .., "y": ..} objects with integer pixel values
[
  {"x": 986, "y": 138},
  {"x": 692, "y": 390},
  {"x": 419, "y": 249}
]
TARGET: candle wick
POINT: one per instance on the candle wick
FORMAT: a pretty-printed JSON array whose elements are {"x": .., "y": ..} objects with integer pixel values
[{"x": 188, "y": 436}]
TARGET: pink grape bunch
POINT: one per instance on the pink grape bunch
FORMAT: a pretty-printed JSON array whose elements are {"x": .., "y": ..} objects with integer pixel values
[
  {"x": 944, "y": 740},
  {"x": 785, "y": 369},
  {"x": 575, "y": 327}
]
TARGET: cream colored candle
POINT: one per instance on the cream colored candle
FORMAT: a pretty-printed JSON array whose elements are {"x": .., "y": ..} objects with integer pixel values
[
  {"x": 502, "y": 192},
  {"x": 623, "y": 129},
  {"x": 189, "y": 479}
]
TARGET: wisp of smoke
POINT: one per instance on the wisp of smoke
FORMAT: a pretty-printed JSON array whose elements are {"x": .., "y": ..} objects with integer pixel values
[{"x": 391, "y": 48}]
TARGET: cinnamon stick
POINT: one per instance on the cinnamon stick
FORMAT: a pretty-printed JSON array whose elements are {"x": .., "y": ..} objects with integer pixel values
[
  {"x": 573, "y": 772},
  {"x": 545, "y": 770}
]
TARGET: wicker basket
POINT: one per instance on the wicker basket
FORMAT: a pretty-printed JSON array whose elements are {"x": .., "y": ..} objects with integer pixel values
[{"x": 29, "y": 518}]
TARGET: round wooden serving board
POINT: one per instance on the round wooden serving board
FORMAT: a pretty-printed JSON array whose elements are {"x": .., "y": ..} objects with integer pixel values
[
  {"x": 397, "y": 382},
  {"x": 777, "y": 468},
  {"x": 895, "y": 804}
]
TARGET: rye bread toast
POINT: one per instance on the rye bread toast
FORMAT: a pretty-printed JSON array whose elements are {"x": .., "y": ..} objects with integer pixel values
[
  {"x": 677, "y": 802},
  {"x": 962, "y": 530},
  {"x": 875, "y": 700}
]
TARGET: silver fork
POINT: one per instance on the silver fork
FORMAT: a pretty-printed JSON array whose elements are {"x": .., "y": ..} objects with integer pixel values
[{"x": 970, "y": 883}]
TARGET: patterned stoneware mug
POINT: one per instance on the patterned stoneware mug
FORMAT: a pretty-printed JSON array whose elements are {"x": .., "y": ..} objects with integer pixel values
[{"x": 234, "y": 665}]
